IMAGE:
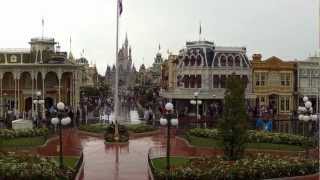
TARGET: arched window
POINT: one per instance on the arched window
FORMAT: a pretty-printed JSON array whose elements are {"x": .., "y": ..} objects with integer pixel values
[
  {"x": 198, "y": 60},
  {"x": 192, "y": 81},
  {"x": 186, "y": 60},
  {"x": 193, "y": 60},
  {"x": 223, "y": 60},
  {"x": 230, "y": 61},
  {"x": 186, "y": 81},
  {"x": 237, "y": 61}
]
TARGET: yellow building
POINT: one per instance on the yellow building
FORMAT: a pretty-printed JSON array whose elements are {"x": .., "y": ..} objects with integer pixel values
[{"x": 274, "y": 86}]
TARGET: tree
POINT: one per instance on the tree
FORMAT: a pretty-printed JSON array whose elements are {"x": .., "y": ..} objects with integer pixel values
[{"x": 233, "y": 126}]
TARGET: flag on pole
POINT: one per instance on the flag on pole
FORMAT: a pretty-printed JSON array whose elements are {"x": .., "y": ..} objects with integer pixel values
[
  {"x": 200, "y": 30},
  {"x": 120, "y": 7},
  {"x": 42, "y": 22}
]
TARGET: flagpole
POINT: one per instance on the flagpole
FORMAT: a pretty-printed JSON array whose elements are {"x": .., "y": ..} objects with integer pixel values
[{"x": 116, "y": 100}]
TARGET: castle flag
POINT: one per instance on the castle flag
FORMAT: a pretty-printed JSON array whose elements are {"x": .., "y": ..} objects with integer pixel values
[{"x": 120, "y": 7}]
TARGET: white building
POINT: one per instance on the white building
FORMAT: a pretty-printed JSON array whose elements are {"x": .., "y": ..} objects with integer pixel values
[
  {"x": 308, "y": 74},
  {"x": 204, "y": 67}
]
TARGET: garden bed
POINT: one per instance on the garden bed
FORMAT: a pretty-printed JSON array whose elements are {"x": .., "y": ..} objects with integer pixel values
[
  {"x": 214, "y": 143},
  {"x": 256, "y": 140},
  {"x": 32, "y": 167},
  {"x": 261, "y": 166}
]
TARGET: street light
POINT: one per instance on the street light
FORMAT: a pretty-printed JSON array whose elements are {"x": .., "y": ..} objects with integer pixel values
[
  {"x": 36, "y": 102},
  {"x": 169, "y": 121},
  {"x": 60, "y": 120},
  {"x": 197, "y": 103},
  {"x": 305, "y": 113}
]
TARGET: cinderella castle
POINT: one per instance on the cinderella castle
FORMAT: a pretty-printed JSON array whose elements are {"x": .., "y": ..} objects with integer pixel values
[{"x": 127, "y": 71}]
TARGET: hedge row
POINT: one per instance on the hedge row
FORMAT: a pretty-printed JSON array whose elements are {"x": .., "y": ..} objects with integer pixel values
[
  {"x": 261, "y": 166},
  {"x": 10, "y": 134},
  {"x": 257, "y": 137}
]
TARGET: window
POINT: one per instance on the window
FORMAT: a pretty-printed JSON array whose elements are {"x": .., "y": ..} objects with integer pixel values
[
  {"x": 223, "y": 61},
  {"x": 284, "y": 104},
  {"x": 192, "y": 81},
  {"x": 223, "y": 81},
  {"x": 186, "y": 61},
  {"x": 198, "y": 81},
  {"x": 285, "y": 79},
  {"x": 230, "y": 61},
  {"x": 186, "y": 81},
  {"x": 245, "y": 80},
  {"x": 13, "y": 58},
  {"x": 193, "y": 60},
  {"x": 198, "y": 60},
  {"x": 237, "y": 61},
  {"x": 260, "y": 78},
  {"x": 215, "y": 81}
]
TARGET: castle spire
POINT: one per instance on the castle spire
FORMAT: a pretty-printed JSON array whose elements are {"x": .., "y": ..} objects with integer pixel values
[{"x": 126, "y": 42}]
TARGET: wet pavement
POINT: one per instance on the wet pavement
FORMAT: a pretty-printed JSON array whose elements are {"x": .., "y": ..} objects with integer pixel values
[{"x": 117, "y": 161}]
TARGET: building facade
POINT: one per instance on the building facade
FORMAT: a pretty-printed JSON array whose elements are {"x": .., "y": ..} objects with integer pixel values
[
  {"x": 275, "y": 88},
  {"x": 203, "y": 67},
  {"x": 308, "y": 77},
  {"x": 40, "y": 68}
]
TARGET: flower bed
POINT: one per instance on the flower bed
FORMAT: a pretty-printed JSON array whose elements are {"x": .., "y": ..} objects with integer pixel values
[
  {"x": 31, "y": 167},
  {"x": 11, "y": 134},
  {"x": 254, "y": 167},
  {"x": 257, "y": 137}
]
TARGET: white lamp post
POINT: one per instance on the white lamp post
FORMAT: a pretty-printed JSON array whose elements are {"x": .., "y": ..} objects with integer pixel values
[
  {"x": 169, "y": 121},
  {"x": 64, "y": 120},
  {"x": 197, "y": 103},
  {"x": 38, "y": 102},
  {"x": 305, "y": 113}
]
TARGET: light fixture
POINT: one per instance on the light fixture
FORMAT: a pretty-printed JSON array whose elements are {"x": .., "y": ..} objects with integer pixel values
[{"x": 60, "y": 106}]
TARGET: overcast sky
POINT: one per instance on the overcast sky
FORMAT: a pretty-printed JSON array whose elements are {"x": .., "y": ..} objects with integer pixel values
[{"x": 284, "y": 28}]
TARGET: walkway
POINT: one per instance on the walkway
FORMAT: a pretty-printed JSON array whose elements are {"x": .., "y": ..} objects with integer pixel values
[{"x": 117, "y": 162}]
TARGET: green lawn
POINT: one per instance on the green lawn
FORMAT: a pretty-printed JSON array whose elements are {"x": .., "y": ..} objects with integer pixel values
[
  {"x": 161, "y": 163},
  {"x": 22, "y": 142},
  {"x": 69, "y": 161},
  {"x": 212, "y": 143}
]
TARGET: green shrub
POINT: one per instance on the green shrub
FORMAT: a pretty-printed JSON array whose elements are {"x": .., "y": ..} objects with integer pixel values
[
  {"x": 9, "y": 134},
  {"x": 140, "y": 128},
  {"x": 255, "y": 167},
  {"x": 257, "y": 137},
  {"x": 94, "y": 128},
  {"x": 31, "y": 167}
]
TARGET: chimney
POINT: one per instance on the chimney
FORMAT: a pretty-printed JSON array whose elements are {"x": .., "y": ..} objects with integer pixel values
[{"x": 256, "y": 57}]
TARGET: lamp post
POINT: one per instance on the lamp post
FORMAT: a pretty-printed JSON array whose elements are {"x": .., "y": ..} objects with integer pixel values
[
  {"x": 61, "y": 119},
  {"x": 306, "y": 115},
  {"x": 197, "y": 103},
  {"x": 169, "y": 121},
  {"x": 38, "y": 102}
]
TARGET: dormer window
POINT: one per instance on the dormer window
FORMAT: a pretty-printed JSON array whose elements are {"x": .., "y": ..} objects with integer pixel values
[{"x": 13, "y": 58}]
